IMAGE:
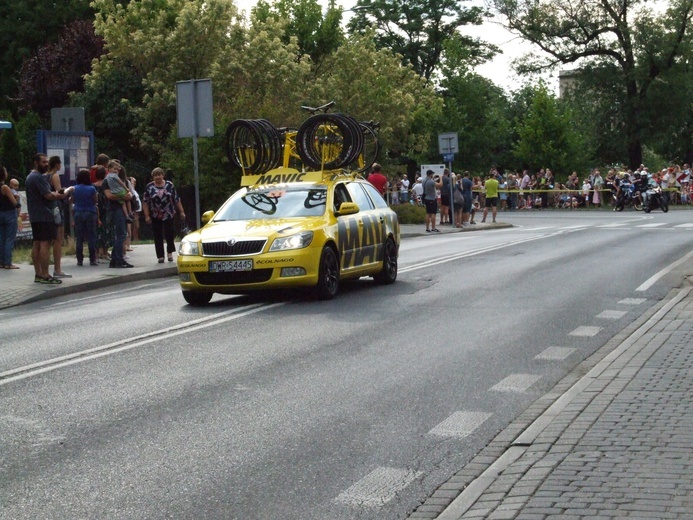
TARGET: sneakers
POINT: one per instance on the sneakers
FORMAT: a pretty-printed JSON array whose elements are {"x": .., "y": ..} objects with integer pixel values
[
  {"x": 47, "y": 281},
  {"x": 79, "y": 264},
  {"x": 94, "y": 262},
  {"x": 62, "y": 275}
]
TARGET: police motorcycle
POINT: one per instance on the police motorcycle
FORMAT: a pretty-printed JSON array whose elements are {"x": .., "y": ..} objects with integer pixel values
[
  {"x": 653, "y": 198},
  {"x": 628, "y": 194}
]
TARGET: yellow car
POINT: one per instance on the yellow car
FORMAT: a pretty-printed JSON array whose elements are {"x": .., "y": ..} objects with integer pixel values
[{"x": 288, "y": 228}]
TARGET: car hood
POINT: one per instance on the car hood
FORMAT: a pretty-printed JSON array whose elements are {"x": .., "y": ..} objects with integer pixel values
[{"x": 261, "y": 228}]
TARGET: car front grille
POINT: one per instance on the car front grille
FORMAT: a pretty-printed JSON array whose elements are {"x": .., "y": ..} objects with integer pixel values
[
  {"x": 234, "y": 278},
  {"x": 240, "y": 248}
]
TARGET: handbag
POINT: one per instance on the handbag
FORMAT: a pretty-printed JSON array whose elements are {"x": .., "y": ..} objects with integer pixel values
[{"x": 457, "y": 197}]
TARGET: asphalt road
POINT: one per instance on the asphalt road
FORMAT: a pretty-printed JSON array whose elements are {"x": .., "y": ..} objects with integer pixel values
[{"x": 132, "y": 405}]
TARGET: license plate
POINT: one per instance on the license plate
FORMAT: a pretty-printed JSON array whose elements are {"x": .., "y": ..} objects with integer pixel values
[{"x": 227, "y": 266}]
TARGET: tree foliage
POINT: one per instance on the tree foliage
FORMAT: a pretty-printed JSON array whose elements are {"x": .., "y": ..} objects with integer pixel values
[
  {"x": 638, "y": 44},
  {"x": 420, "y": 29},
  {"x": 58, "y": 68},
  {"x": 316, "y": 34},
  {"x": 547, "y": 137},
  {"x": 373, "y": 84},
  {"x": 162, "y": 41},
  {"x": 24, "y": 27}
]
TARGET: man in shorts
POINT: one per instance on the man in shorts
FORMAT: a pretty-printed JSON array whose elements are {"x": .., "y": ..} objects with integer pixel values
[
  {"x": 491, "y": 186},
  {"x": 38, "y": 199},
  {"x": 430, "y": 200}
]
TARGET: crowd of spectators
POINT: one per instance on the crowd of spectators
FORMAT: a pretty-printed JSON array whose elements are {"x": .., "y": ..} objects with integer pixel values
[{"x": 540, "y": 190}]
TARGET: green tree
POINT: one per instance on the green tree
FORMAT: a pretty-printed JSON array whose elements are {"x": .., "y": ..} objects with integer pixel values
[
  {"x": 368, "y": 83},
  {"x": 478, "y": 111},
  {"x": 317, "y": 34},
  {"x": 11, "y": 156},
  {"x": 419, "y": 30},
  {"x": 547, "y": 137},
  {"x": 58, "y": 68},
  {"x": 24, "y": 27},
  {"x": 163, "y": 41},
  {"x": 626, "y": 36}
]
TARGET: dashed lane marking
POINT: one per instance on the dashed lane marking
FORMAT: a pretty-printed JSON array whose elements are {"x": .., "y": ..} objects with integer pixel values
[
  {"x": 688, "y": 225},
  {"x": 555, "y": 353},
  {"x": 652, "y": 225},
  {"x": 611, "y": 315},
  {"x": 378, "y": 487},
  {"x": 632, "y": 301},
  {"x": 515, "y": 383},
  {"x": 460, "y": 424},
  {"x": 586, "y": 330}
]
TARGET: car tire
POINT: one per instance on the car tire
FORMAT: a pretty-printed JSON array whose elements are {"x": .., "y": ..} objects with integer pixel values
[
  {"x": 197, "y": 298},
  {"x": 388, "y": 274},
  {"x": 328, "y": 275}
]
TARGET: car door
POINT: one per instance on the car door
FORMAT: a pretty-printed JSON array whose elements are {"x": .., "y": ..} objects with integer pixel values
[{"x": 369, "y": 224}]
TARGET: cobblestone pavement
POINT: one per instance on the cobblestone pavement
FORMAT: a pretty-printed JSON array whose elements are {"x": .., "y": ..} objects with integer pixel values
[{"x": 617, "y": 444}]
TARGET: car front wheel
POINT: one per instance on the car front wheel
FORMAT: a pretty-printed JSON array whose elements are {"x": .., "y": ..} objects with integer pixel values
[
  {"x": 197, "y": 298},
  {"x": 388, "y": 274},
  {"x": 328, "y": 276}
]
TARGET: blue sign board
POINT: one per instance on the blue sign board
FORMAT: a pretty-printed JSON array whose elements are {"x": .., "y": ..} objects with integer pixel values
[{"x": 449, "y": 157}]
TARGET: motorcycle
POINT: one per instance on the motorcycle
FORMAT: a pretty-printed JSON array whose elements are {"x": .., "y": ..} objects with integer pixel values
[
  {"x": 654, "y": 199},
  {"x": 627, "y": 197}
]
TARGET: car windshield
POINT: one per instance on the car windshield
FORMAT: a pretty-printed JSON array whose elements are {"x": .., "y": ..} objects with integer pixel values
[{"x": 275, "y": 202}]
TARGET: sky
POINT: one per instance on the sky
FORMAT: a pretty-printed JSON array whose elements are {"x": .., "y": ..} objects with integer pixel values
[{"x": 499, "y": 70}]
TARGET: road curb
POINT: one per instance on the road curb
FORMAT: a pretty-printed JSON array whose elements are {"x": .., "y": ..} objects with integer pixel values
[
  {"x": 67, "y": 289},
  {"x": 510, "y": 444}
]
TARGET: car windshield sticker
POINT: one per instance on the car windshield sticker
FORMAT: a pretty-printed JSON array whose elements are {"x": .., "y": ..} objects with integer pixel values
[
  {"x": 315, "y": 198},
  {"x": 261, "y": 202}
]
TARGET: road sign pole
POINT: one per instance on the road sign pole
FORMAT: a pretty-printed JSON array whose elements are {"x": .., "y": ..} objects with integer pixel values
[{"x": 195, "y": 157}]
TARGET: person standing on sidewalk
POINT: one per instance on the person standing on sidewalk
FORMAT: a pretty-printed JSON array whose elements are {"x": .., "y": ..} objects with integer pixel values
[
  {"x": 491, "y": 186},
  {"x": 85, "y": 217},
  {"x": 54, "y": 166},
  {"x": 159, "y": 205},
  {"x": 430, "y": 199},
  {"x": 9, "y": 203},
  {"x": 38, "y": 199},
  {"x": 117, "y": 217}
]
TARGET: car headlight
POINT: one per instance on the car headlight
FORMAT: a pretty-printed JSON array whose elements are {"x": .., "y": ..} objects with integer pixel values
[
  {"x": 188, "y": 248},
  {"x": 297, "y": 241}
]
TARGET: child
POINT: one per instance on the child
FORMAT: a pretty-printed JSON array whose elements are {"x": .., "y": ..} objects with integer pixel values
[{"x": 119, "y": 188}]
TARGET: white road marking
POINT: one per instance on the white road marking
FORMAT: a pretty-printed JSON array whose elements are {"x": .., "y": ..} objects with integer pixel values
[
  {"x": 632, "y": 301},
  {"x": 378, "y": 487},
  {"x": 651, "y": 281},
  {"x": 586, "y": 331},
  {"x": 100, "y": 296},
  {"x": 555, "y": 353},
  {"x": 460, "y": 424},
  {"x": 611, "y": 315},
  {"x": 127, "y": 344},
  {"x": 442, "y": 260},
  {"x": 688, "y": 225},
  {"x": 581, "y": 226},
  {"x": 515, "y": 383},
  {"x": 653, "y": 225},
  {"x": 614, "y": 225}
]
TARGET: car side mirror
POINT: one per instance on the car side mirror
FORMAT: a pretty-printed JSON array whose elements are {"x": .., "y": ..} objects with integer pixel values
[
  {"x": 348, "y": 208},
  {"x": 207, "y": 216}
]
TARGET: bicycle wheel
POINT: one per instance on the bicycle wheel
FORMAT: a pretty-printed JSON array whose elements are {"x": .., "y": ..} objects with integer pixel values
[
  {"x": 253, "y": 145},
  {"x": 324, "y": 141},
  {"x": 371, "y": 147}
]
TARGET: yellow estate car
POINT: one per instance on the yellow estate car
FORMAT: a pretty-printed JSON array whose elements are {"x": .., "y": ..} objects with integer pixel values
[{"x": 287, "y": 228}]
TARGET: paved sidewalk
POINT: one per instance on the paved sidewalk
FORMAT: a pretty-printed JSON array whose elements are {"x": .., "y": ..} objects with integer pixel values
[
  {"x": 615, "y": 443},
  {"x": 18, "y": 287}
]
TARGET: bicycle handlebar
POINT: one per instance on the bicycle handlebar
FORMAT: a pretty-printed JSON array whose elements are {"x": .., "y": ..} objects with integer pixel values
[{"x": 323, "y": 108}]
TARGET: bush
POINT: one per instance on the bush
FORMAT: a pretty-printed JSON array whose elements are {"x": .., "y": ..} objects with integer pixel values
[{"x": 409, "y": 213}]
